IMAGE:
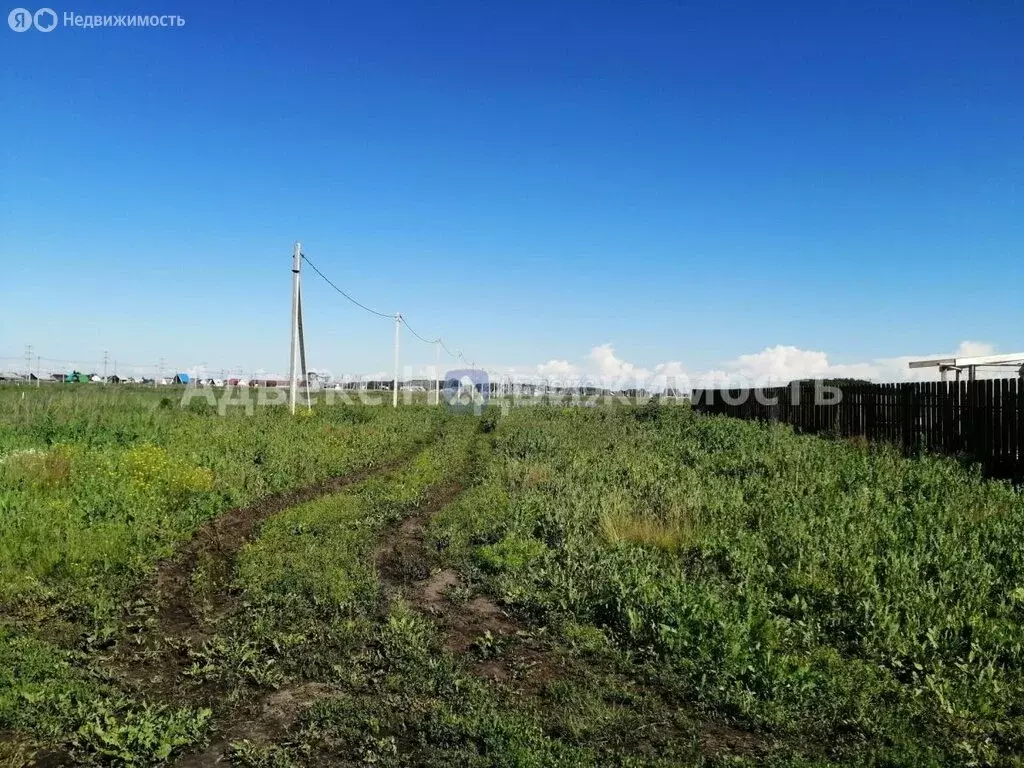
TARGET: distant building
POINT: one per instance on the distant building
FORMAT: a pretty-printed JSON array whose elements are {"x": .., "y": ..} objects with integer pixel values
[
  {"x": 268, "y": 380},
  {"x": 182, "y": 378}
]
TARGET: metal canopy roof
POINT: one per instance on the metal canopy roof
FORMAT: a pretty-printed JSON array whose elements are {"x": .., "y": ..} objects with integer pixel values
[{"x": 969, "y": 362}]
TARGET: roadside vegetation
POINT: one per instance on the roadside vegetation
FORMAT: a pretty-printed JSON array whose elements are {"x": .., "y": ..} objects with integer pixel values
[
  {"x": 621, "y": 586},
  {"x": 845, "y": 603},
  {"x": 96, "y": 488}
]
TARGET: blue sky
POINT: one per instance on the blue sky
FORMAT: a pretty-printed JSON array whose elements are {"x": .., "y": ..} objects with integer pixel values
[{"x": 686, "y": 182}]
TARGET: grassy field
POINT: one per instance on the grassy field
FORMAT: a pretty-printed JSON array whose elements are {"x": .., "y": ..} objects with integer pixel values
[{"x": 612, "y": 586}]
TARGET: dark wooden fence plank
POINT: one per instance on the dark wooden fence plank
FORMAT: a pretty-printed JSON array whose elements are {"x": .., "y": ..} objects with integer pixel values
[
  {"x": 982, "y": 419},
  {"x": 947, "y": 418},
  {"x": 1020, "y": 431},
  {"x": 1013, "y": 401}
]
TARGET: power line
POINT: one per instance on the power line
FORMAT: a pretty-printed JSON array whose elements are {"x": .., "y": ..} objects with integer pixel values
[
  {"x": 425, "y": 341},
  {"x": 402, "y": 319},
  {"x": 354, "y": 301}
]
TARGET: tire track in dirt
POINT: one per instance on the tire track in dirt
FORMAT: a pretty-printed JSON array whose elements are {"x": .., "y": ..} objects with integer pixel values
[
  {"x": 523, "y": 659},
  {"x": 154, "y": 653},
  {"x": 271, "y": 714},
  {"x": 494, "y": 644}
]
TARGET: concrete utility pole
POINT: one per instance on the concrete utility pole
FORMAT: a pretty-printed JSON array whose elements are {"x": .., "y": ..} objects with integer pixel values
[
  {"x": 28, "y": 362},
  {"x": 437, "y": 375},
  {"x": 39, "y": 373},
  {"x": 296, "y": 266},
  {"x": 104, "y": 366},
  {"x": 398, "y": 328},
  {"x": 302, "y": 355}
]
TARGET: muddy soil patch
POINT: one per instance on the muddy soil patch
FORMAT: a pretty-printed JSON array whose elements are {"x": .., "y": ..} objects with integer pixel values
[
  {"x": 262, "y": 722},
  {"x": 402, "y": 557},
  {"x": 473, "y": 627}
]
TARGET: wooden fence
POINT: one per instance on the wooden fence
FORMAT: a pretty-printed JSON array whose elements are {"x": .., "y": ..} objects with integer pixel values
[{"x": 982, "y": 421}]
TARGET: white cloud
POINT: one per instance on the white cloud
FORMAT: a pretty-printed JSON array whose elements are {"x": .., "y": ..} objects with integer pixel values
[
  {"x": 671, "y": 374},
  {"x": 781, "y": 364},
  {"x": 775, "y": 365},
  {"x": 557, "y": 368},
  {"x": 974, "y": 349},
  {"x": 611, "y": 367}
]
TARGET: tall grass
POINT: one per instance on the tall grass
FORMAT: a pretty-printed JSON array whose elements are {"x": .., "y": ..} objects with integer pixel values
[{"x": 96, "y": 485}]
